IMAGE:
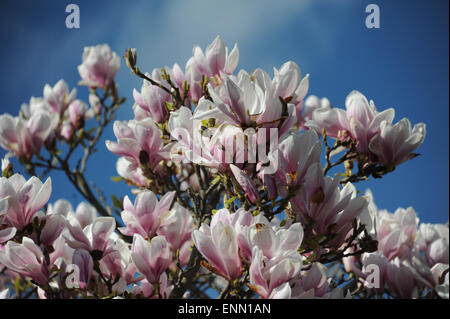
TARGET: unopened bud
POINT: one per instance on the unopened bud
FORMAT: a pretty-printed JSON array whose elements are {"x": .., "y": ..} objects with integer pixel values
[{"x": 131, "y": 58}]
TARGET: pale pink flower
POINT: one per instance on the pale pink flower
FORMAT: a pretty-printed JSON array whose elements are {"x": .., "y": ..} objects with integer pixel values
[
  {"x": 25, "y": 137},
  {"x": 135, "y": 138},
  {"x": 77, "y": 110},
  {"x": 99, "y": 66},
  {"x": 177, "y": 226},
  {"x": 219, "y": 246},
  {"x": 400, "y": 279},
  {"x": 146, "y": 215},
  {"x": 216, "y": 59},
  {"x": 151, "y": 258},
  {"x": 26, "y": 259},
  {"x": 269, "y": 277},
  {"x": 54, "y": 225},
  {"x": 58, "y": 96},
  {"x": 326, "y": 203},
  {"x": 83, "y": 260},
  {"x": 395, "y": 143},
  {"x": 152, "y": 99},
  {"x": 95, "y": 238},
  {"x": 246, "y": 183},
  {"x": 23, "y": 198},
  {"x": 311, "y": 283}
]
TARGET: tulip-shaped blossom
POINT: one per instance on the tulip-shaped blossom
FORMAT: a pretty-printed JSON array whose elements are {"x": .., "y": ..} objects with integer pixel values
[
  {"x": 25, "y": 137},
  {"x": 58, "y": 96},
  {"x": 23, "y": 199},
  {"x": 269, "y": 277},
  {"x": 152, "y": 99},
  {"x": 148, "y": 290},
  {"x": 223, "y": 146},
  {"x": 216, "y": 60},
  {"x": 139, "y": 141},
  {"x": 151, "y": 258},
  {"x": 146, "y": 215},
  {"x": 395, "y": 143},
  {"x": 219, "y": 245},
  {"x": 83, "y": 266},
  {"x": 297, "y": 152},
  {"x": 360, "y": 121},
  {"x": 77, "y": 110},
  {"x": 99, "y": 66},
  {"x": 373, "y": 131},
  {"x": 311, "y": 104},
  {"x": 246, "y": 183},
  {"x": 400, "y": 279},
  {"x": 84, "y": 214},
  {"x": 54, "y": 225},
  {"x": 26, "y": 259},
  {"x": 287, "y": 83},
  {"x": 7, "y": 232},
  {"x": 327, "y": 204},
  {"x": 177, "y": 226},
  {"x": 311, "y": 283},
  {"x": 95, "y": 238},
  {"x": 396, "y": 232},
  {"x": 243, "y": 102}
]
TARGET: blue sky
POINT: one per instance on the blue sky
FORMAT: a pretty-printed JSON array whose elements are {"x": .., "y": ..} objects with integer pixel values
[{"x": 404, "y": 65}]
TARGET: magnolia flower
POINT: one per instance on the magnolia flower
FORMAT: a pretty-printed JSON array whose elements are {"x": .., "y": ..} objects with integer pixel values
[
  {"x": 400, "y": 279},
  {"x": 287, "y": 83},
  {"x": 396, "y": 232},
  {"x": 220, "y": 148},
  {"x": 373, "y": 131},
  {"x": 312, "y": 283},
  {"x": 23, "y": 199},
  {"x": 139, "y": 141},
  {"x": 84, "y": 214},
  {"x": 152, "y": 99},
  {"x": 25, "y": 137},
  {"x": 275, "y": 241},
  {"x": 84, "y": 265},
  {"x": 26, "y": 259},
  {"x": 216, "y": 59},
  {"x": 95, "y": 238},
  {"x": 326, "y": 203},
  {"x": 269, "y": 277},
  {"x": 297, "y": 152},
  {"x": 145, "y": 216},
  {"x": 77, "y": 110},
  {"x": 243, "y": 102},
  {"x": 395, "y": 143},
  {"x": 58, "y": 96},
  {"x": 148, "y": 290},
  {"x": 311, "y": 104},
  {"x": 246, "y": 183},
  {"x": 99, "y": 66},
  {"x": 151, "y": 258},
  {"x": 219, "y": 245},
  {"x": 177, "y": 226},
  {"x": 54, "y": 225},
  {"x": 133, "y": 175}
]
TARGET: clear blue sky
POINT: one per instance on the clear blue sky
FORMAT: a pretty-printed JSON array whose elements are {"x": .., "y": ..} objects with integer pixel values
[{"x": 404, "y": 65}]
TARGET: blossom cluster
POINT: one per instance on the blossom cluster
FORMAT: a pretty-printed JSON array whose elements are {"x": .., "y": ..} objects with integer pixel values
[
  {"x": 230, "y": 188},
  {"x": 411, "y": 259}
]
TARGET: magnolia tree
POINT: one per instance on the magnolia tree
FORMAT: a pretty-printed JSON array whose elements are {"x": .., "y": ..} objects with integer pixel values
[{"x": 230, "y": 190}]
